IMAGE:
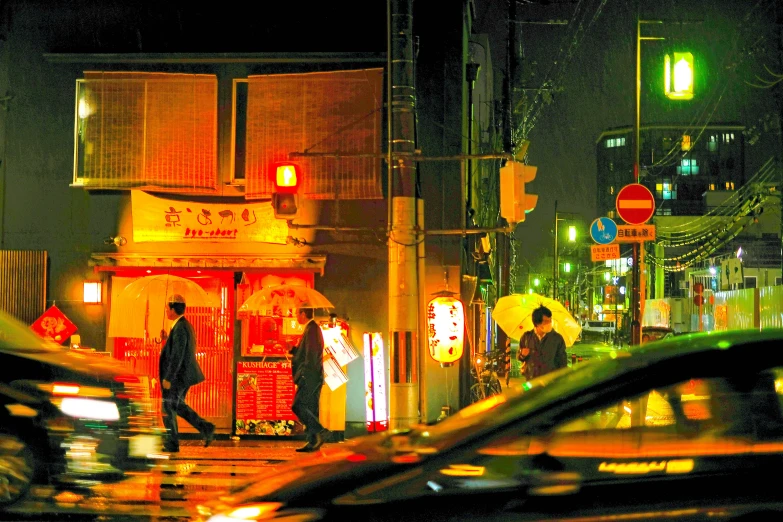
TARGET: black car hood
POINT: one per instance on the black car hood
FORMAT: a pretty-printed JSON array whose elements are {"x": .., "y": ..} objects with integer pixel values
[{"x": 64, "y": 362}]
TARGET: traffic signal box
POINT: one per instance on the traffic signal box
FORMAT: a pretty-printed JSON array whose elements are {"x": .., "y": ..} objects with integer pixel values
[
  {"x": 515, "y": 202},
  {"x": 285, "y": 199}
]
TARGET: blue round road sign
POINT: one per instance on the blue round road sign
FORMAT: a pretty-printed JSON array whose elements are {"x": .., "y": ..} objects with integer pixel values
[{"x": 603, "y": 230}]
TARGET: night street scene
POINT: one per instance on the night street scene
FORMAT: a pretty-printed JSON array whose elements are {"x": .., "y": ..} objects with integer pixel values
[{"x": 391, "y": 260}]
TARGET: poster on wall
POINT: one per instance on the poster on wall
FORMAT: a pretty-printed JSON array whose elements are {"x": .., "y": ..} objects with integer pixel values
[
  {"x": 265, "y": 391},
  {"x": 162, "y": 219}
]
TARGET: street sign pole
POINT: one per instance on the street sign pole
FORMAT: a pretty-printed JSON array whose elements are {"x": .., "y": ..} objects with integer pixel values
[{"x": 635, "y": 205}]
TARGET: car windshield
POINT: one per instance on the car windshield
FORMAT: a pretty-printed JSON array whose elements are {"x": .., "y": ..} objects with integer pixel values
[
  {"x": 496, "y": 410},
  {"x": 16, "y": 337}
]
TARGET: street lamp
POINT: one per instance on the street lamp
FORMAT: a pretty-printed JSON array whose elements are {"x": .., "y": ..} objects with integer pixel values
[{"x": 571, "y": 238}]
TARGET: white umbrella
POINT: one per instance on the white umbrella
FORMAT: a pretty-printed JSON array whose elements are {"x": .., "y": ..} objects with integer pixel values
[
  {"x": 139, "y": 310},
  {"x": 282, "y": 299}
]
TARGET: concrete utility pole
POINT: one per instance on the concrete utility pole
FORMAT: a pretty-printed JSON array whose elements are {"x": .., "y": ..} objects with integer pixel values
[{"x": 404, "y": 234}]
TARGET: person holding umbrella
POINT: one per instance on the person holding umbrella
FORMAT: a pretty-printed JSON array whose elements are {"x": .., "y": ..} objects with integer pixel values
[
  {"x": 542, "y": 349},
  {"x": 179, "y": 370},
  {"x": 308, "y": 370}
]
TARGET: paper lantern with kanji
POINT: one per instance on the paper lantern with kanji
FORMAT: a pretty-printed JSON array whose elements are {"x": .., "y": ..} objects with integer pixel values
[{"x": 445, "y": 328}]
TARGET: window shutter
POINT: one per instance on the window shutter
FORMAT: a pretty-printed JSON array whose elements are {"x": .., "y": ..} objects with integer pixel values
[
  {"x": 147, "y": 130},
  {"x": 326, "y": 112}
]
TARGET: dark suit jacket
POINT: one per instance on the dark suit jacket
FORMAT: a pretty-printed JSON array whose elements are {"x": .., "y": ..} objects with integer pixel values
[
  {"x": 308, "y": 356},
  {"x": 178, "y": 363}
]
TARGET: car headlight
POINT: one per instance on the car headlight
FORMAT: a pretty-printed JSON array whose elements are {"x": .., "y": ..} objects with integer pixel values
[
  {"x": 89, "y": 408},
  {"x": 259, "y": 511}
]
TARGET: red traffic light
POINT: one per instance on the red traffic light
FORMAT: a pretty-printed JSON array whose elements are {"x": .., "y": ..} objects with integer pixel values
[{"x": 286, "y": 177}]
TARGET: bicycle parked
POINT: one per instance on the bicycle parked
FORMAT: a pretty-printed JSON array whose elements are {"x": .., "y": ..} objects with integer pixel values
[{"x": 491, "y": 367}]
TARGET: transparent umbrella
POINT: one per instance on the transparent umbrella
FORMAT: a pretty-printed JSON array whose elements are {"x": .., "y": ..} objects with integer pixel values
[
  {"x": 514, "y": 315},
  {"x": 283, "y": 300},
  {"x": 139, "y": 310}
]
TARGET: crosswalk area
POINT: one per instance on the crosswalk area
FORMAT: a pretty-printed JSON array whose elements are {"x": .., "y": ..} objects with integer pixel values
[{"x": 170, "y": 491}]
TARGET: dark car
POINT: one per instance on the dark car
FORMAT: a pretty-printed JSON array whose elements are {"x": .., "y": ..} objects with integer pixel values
[
  {"x": 656, "y": 333},
  {"x": 684, "y": 429},
  {"x": 66, "y": 416}
]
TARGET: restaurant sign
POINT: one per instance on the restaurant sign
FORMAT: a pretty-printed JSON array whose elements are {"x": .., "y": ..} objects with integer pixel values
[{"x": 162, "y": 219}]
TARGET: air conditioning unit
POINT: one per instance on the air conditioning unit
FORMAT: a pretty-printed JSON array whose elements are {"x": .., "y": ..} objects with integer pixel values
[{"x": 684, "y": 285}]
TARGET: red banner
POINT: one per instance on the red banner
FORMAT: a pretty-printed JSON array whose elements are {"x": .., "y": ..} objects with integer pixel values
[{"x": 53, "y": 326}]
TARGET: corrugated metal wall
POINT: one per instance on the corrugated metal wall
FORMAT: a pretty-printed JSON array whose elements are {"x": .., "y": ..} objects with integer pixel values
[{"x": 23, "y": 283}]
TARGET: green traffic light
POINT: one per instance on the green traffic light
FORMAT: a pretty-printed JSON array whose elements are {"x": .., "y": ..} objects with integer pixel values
[
  {"x": 536, "y": 282},
  {"x": 567, "y": 267},
  {"x": 572, "y": 233}
]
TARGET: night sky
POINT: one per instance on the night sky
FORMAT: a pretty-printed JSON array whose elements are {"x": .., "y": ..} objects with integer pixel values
[{"x": 594, "y": 80}]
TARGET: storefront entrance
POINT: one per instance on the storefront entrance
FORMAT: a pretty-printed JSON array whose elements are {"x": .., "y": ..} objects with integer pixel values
[{"x": 140, "y": 345}]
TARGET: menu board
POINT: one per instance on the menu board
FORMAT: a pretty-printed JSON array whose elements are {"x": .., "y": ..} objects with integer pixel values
[{"x": 265, "y": 391}]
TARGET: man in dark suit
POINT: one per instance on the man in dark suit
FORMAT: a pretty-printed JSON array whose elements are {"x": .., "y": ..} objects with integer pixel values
[
  {"x": 179, "y": 370},
  {"x": 308, "y": 370}
]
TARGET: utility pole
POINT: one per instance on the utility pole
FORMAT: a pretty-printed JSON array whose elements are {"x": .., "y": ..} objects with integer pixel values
[
  {"x": 556, "y": 266},
  {"x": 505, "y": 239},
  {"x": 404, "y": 232}
]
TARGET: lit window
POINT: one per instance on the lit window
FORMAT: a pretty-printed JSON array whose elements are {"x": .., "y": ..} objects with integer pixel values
[
  {"x": 686, "y": 142},
  {"x": 663, "y": 211},
  {"x": 728, "y": 137},
  {"x": 729, "y": 185},
  {"x": 665, "y": 190},
  {"x": 615, "y": 142},
  {"x": 712, "y": 186},
  {"x": 611, "y": 190},
  {"x": 712, "y": 144},
  {"x": 688, "y": 167}
]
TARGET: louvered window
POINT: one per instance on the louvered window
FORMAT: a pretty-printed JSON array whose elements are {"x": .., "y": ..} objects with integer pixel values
[
  {"x": 146, "y": 130},
  {"x": 337, "y": 112}
]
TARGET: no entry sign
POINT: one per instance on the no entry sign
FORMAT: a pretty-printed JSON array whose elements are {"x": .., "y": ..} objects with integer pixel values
[{"x": 635, "y": 204}]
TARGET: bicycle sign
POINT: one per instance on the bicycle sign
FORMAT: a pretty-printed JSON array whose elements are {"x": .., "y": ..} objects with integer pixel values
[{"x": 603, "y": 230}]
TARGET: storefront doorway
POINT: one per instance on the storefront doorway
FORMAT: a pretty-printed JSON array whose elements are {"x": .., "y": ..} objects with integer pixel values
[{"x": 140, "y": 345}]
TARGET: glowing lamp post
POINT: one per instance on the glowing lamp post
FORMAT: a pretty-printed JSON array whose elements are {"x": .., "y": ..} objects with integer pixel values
[{"x": 445, "y": 328}]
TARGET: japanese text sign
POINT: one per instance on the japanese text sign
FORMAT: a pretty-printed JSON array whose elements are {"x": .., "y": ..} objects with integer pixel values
[
  {"x": 161, "y": 219},
  {"x": 604, "y": 252},
  {"x": 635, "y": 233},
  {"x": 445, "y": 329}
]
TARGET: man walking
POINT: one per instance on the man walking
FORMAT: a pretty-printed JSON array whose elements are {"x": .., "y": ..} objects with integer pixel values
[
  {"x": 542, "y": 349},
  {"x": 307, "y": 368},
  {"x": 179, "y": 370}
]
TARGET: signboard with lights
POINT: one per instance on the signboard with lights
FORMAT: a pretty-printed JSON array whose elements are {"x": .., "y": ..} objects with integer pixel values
[{"x": 375, "y": 383}]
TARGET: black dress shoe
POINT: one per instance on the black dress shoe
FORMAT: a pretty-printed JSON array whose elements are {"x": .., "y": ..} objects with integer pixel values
[
  {"x": 319, "y": 439},
  {"x": 209, "y": 435},
  {"x": 170, "y": 449},
  {"x": 307, "y": 448}
]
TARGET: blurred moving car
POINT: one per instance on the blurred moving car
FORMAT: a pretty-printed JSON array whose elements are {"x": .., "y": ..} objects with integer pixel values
[
  {"x": 67, "y": 416},
  {"x": 656, "y": 333},
  {"x": 598, "y": 330},
  {"x": 684, "y": 429}
]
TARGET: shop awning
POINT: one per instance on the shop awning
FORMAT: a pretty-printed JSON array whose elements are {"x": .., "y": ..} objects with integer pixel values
[{"x": 110, "y": 262}]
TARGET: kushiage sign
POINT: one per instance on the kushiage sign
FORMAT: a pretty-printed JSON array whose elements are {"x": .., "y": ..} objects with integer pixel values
[{"x": 445, "y": 328}]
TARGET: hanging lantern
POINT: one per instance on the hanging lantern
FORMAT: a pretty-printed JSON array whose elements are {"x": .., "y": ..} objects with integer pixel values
[{"x": 445, "y": 328}]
